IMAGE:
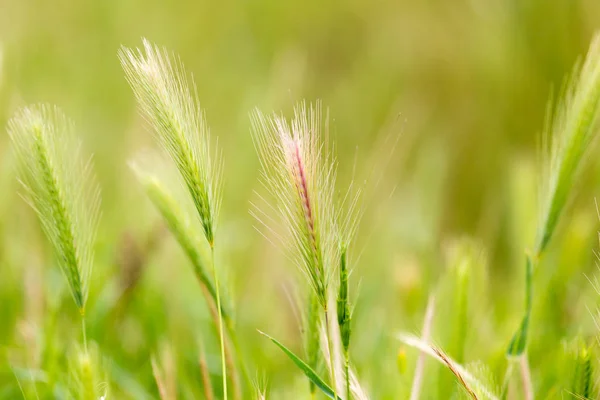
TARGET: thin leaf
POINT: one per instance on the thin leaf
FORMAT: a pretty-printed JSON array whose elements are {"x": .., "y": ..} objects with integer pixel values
[{"x": 308, "y": 371}]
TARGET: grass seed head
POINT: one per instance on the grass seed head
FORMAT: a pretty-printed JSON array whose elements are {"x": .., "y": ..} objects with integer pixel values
[
  {"x": 169, "y": 103},
  {"x": 301, "y": 174},
  {"x": 58, "y": 184},
  {"x": 573, "y": 128}
]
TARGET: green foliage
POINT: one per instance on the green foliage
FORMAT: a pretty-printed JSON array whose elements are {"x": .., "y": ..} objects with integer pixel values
[{"x": 438, "y": 133}]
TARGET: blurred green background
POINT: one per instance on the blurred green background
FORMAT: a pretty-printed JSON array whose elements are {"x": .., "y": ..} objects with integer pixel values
[{"x": 462, "y": 85}]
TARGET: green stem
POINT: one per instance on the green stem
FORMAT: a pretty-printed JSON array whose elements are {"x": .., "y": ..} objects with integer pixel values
[
  {"x": 83, "y": 330},
  {"x": 347, "y": 368},
  {"x": 221, "y": 333}
]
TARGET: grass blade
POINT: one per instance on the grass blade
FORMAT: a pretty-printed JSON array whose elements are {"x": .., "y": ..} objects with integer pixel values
[{"x": 308, "y": 371}]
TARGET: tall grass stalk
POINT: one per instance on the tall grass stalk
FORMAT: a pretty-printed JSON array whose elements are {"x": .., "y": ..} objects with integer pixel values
[
  {"x": 162, "y": 89},
  {"x": 58, "y": 184},
  {"x": 571, "y": 128},
  {"x": 300, "y": 174}
]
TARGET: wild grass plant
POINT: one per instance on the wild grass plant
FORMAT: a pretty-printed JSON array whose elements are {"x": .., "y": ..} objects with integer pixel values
[
  {"x": 155, "y": 350},
  {"x": 300, "y": 175}
]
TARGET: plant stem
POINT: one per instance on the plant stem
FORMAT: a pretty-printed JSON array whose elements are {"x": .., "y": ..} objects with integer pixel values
[
  {"x": 506, "y": 381},
  {"x": 331, "y": 357},
  {"x": 221, "y": 333},
  {"x": 347, "y": 371},
  {"x": 83, "y": 330},
  {"x": 415, "y": 391}
]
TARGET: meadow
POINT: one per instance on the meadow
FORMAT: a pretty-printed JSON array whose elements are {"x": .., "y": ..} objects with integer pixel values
[{"x": 299, "y": 200}]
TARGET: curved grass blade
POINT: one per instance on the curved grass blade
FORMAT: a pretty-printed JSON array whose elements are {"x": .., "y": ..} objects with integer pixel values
[{"x": 308, "y": 371}]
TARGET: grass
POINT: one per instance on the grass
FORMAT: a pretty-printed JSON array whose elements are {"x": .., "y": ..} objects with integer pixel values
[{"x": 358, "y": 292}]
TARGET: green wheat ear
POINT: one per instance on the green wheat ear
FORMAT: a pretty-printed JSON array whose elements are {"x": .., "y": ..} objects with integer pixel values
[{"x": 58, "y": 184}]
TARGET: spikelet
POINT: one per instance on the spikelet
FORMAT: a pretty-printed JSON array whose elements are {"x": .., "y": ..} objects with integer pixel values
[
  {"x": 171, "y": 107},
  {"x": 59, "y": 186}
]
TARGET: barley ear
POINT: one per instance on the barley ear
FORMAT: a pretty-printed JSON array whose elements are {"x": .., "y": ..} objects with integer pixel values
[
  {"x": 169, "y": 103},
  {"x": 59, "y": 185},
  {"x": 572, "y": 129},
  {"x": 300, "y": 176}
]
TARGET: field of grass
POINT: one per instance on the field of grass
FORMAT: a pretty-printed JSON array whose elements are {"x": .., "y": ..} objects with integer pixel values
[{"x": 299, "y": 200}]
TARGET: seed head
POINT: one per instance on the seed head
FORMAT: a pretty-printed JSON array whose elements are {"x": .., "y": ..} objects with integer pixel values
[
  {"x": 58, "y": 184},
  {"x": 572, "y": 128},
  {"x": 166, "y": 101},
  {"x": 300, "y": 175}
]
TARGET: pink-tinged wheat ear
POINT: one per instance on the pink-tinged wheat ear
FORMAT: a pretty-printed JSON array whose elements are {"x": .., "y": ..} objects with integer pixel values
[{"x": 301, "y": 184}]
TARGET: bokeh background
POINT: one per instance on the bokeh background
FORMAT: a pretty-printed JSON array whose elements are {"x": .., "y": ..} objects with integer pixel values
[{"x": 460, "y": 87}]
